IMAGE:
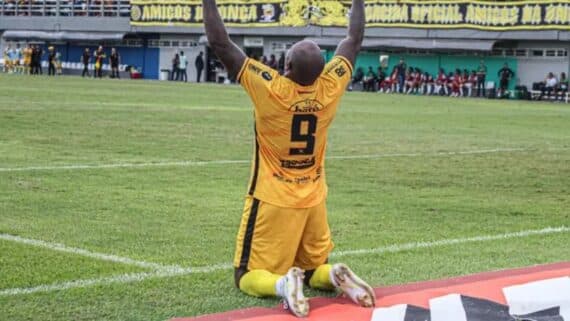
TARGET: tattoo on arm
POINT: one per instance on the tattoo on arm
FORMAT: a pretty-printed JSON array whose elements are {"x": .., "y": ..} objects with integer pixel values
[
  {"x": 350, "y": 46},
  {"x": 227, "y": 51}
]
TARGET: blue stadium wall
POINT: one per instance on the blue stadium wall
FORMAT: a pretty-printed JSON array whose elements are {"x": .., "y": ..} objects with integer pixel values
[{"x": 143, "y": 58}]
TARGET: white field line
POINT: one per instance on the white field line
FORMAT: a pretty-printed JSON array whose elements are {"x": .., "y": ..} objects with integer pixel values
[
  {"x": 137, "y": 277},
  {"x": 243, "y": 161},
  {"x": 119, "y": 279},
  {"x": 94, "y": 255},
  {"x": 420, "y": 245}
]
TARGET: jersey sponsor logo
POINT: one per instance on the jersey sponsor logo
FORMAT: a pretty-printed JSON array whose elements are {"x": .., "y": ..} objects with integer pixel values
[
  {"x": 306, "y": 106},
  {"x": 333, "y": 66},
  {"x": 340, "y": 71},
  {"x": 298, "y": 164},
  {"x": 254, "y": 69},
  {"x": 266, "y": 76}
]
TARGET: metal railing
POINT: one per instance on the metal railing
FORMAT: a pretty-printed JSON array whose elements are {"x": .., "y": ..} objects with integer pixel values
[{"x": 66, "y": 8}]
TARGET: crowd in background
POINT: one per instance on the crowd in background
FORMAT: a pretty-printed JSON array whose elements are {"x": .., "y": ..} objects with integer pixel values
[{"x": 412, "y": 80}]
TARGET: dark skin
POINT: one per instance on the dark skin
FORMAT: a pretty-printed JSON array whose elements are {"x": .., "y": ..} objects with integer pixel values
[{"x": 303, "y": 63}]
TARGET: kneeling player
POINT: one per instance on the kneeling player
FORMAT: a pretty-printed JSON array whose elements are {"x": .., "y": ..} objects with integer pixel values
[{"x": 284, "y": 238}]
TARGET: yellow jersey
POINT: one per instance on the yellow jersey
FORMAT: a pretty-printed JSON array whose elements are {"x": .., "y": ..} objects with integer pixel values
[
  {"x": 291, "y": 125},
  {"x": 27, "y": 52}
]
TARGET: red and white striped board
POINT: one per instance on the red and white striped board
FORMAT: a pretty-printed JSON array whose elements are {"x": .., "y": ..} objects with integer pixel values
[{"x": 539, "y": 293}]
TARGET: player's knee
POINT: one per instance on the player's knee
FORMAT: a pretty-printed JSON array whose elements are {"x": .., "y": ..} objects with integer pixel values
[{"x": 238, "y": 274}]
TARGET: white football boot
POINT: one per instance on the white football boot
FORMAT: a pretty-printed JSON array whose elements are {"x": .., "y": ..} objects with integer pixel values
[
  {"x": 292, "y": 292},
  {"x": 352, "y": 286}
]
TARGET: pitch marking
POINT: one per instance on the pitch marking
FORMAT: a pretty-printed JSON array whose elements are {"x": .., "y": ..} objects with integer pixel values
[
  {"x": 138, "y": 277},
  {"x": 94, "y": 255},
  {"x": 239, "y": 161}
]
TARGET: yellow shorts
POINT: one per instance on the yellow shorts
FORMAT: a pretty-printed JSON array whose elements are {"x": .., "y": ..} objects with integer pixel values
[{"x": 275, "y": 239}]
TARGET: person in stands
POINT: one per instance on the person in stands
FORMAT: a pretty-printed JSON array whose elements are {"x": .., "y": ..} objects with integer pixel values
[{"x": 550, "y": 85}]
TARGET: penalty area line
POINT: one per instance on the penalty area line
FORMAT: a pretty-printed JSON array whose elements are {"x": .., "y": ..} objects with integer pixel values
[
  {"x": 243, "y": 161},
  {"x": 138, "y": 277}
]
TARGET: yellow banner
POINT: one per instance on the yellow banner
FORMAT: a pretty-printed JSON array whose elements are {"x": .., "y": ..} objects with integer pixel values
[{"x": 474, "y": 14}]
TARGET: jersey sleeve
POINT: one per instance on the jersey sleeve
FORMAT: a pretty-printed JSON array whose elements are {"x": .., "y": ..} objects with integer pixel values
[
  {"x": 256, "y": 78},
  {"x": 337, "y": 75}
]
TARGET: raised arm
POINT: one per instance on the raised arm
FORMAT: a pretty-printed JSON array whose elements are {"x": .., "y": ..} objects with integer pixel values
[
  {"x": 350, "y": 46},
  {"x": 228, "y": 52}
]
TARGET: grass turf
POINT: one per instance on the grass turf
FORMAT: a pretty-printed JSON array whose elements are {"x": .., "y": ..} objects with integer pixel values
[{"x": 188, "y": 215}]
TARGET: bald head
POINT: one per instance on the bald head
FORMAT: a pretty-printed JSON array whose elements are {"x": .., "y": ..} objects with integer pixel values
[{"x": 304, "y": 62}]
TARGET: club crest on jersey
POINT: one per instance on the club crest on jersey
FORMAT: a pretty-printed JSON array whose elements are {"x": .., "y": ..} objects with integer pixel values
[{"x": 306, "y": 106}]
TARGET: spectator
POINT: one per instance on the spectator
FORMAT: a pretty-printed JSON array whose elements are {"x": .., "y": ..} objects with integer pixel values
[
  {"x": 471, "y": 83},
  {"x": 199, "y": 64},
  {"x": 428, "y": 84},
  {"x": 550, "y": 84},
  {"x": 505, "y": 74},
  {"x": 563, "y": 85},
  {"x": 402, "y": 67},
  {"x": 114, "y": 60},
  {"x": 182, "y": 65},
  {"x": 369, "y": 80},
  {"x": 264, "y": 60},
  {"x": 85, "y": 59},
  {"x": 409, "y": 83},
  {"x": 175, "y": 63},
  {"x": 357, "y": 78},
  {"x": 418, "y": 81},
  {"x": 272, "y": 63},
  {"x": 454, "y": 83},
  {"x": 441, "y": 83},
  {"x": 381, "y": 77},
  {"x": 281, "y": 63},
  {"x": 481, "y": 77}
]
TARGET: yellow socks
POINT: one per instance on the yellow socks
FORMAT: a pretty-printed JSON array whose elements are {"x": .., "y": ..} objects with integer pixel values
[
  {"x": 321, "y": 278},
  {"x": 259, "y": 283}
]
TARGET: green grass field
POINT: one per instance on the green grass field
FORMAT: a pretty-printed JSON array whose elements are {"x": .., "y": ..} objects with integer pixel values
[{"x": 418, "y": 169}]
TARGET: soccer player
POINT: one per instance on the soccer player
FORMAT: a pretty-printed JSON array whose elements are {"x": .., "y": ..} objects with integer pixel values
[
  {"x": 27, "y": 59},
  {"x": 284, "y": 238}
]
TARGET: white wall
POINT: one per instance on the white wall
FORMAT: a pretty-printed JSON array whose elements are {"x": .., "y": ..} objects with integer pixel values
[
  {"x": 167, "y": 53},
  {"x": 532, "y": 70}
]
